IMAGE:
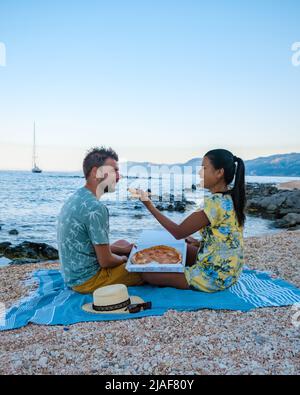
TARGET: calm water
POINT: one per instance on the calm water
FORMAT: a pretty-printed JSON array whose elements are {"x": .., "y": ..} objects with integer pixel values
[{"x": 30, "y": 203}]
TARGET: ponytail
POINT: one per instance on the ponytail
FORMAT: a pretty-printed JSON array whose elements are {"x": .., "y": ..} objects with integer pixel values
[
  {"x": 223, "y": 159},
  {"x": 238, "y": 191}
]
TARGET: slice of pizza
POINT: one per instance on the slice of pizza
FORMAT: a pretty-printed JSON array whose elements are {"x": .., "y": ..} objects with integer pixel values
[
  {"x": 160, "y": 254},
  {"x": 134, "y": 193},
  {"x": 138, "y": 194}
]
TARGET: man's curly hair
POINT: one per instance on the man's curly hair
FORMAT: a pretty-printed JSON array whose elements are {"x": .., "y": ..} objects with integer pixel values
[{"x": 96, "y": 156}]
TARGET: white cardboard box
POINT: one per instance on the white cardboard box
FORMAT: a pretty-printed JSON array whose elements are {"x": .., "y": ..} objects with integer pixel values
[{"x": 150, "y": 238}]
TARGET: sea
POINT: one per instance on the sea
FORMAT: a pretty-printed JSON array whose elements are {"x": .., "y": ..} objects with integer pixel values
[{"x": 31, "y": 203}]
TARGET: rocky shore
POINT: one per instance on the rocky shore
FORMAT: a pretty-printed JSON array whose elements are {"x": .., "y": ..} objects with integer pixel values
[
  {"x": 173, "y": 205},
  {"x": 280, "y": 203},
  {"x": 260, "y": 342},
  {"x": 276, "y": 203},
  {"x": 28, "y": 252}
]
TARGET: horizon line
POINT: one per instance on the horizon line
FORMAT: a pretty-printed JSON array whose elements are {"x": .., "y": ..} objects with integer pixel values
[{"x": 152, "y": 163}]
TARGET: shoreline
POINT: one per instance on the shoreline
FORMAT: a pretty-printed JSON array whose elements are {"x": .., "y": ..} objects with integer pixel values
[
  {"x": 6, "y": 262},
  {"x": 262, "y": 341},
  {"x": 265, "y": 205},
  {"x": 290, "y": 185}
]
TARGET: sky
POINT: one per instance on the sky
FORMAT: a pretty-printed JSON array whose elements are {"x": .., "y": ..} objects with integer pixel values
[{"x": 158, "y": 80}]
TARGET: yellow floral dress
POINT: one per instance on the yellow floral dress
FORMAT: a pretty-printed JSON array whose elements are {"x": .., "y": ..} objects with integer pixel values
[{"x": 221, "y": 257}]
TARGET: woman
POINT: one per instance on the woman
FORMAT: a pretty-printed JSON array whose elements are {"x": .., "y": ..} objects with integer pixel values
[{"x": 217, "y": 264}]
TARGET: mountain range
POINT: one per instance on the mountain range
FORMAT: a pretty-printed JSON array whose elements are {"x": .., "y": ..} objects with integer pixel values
[{"x": 287, "y": 165}]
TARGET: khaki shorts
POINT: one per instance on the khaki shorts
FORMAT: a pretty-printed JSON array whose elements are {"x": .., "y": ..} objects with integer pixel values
[{"x": 109, "y": 276}]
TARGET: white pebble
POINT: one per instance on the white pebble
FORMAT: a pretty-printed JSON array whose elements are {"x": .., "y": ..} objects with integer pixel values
[{"x": 43, "y": 361}]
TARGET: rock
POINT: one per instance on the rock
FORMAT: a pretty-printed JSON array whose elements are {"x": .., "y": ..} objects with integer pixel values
[
  {"x": 18, "y": 364},
  {"x": 194, "y": 187},
  {"x": 176, "y": 206},
  {"x": 13, "y": 232},
  {"x": 267, "y": 201},
  {"x": 180, "y": 206},
  {"x": 254, "y": 190},
  {"x": 157, "y": 347},
  {"x": 288, "y": 221},
  {"x": 168, "y": 202},
  {"x": 200, "y": 340},
  {"x": 291, "y": 203},
  {"x": 38, "y": 352},
  {"x": 31, "y": 250},
  {"x": 271, "y": 208},
  {"x": 43, "y": 362},
  {"x": 260, "y": 339},
  {"x": 297, "y": 227},
  {"x": 23, "y": 261},
  {"x": 189, "y": 202},
  {"x": 146, "y": 366},
  {"x": 3, "y": 246}
]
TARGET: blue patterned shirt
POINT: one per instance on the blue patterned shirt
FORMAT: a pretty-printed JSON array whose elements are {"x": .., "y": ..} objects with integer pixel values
[{"x": 82, "y": 223}]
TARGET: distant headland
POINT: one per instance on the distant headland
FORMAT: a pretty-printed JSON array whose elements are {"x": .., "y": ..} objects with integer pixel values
[{"x": 279, "y": 165}]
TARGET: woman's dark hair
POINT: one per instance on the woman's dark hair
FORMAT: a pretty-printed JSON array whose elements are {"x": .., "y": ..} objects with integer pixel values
[{"x": 223, "y": 159}]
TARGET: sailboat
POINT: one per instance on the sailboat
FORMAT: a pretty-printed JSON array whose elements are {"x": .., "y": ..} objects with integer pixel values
[{"x": 35, "y": 168}]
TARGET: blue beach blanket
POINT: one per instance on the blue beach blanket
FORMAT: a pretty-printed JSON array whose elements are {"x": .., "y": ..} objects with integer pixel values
[{"x": 54, "y": 304}]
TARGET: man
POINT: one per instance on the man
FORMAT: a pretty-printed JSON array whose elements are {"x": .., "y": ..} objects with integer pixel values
[{"x": 87, "y": 259}]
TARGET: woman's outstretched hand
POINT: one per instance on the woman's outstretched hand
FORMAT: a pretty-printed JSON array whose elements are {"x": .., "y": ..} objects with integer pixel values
[{"x": 143, "y": 196}]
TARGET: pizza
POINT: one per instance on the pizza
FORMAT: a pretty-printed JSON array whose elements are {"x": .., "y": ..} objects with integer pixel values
[
  {"x": 138, "y": 194},
  {"x": 159, "y": 254},
  {"x": 134, "y": 193}
]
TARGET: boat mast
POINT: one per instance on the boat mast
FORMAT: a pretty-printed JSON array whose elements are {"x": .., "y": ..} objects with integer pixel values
[{"x": 34, "y": 154}]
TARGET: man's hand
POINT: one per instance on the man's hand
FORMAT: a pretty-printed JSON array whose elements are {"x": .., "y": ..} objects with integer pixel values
[{"x": 127, "y": 250}]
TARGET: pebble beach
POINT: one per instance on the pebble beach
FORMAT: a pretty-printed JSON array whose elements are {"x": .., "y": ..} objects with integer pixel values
[{"x": 262, "y": 341}]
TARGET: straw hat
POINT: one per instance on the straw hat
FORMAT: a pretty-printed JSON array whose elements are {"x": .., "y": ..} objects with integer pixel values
[{"x": 112, "y": 299}]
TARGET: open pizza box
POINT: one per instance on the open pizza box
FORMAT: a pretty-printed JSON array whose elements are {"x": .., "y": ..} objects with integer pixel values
[{"x": 150, "y": 238}]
